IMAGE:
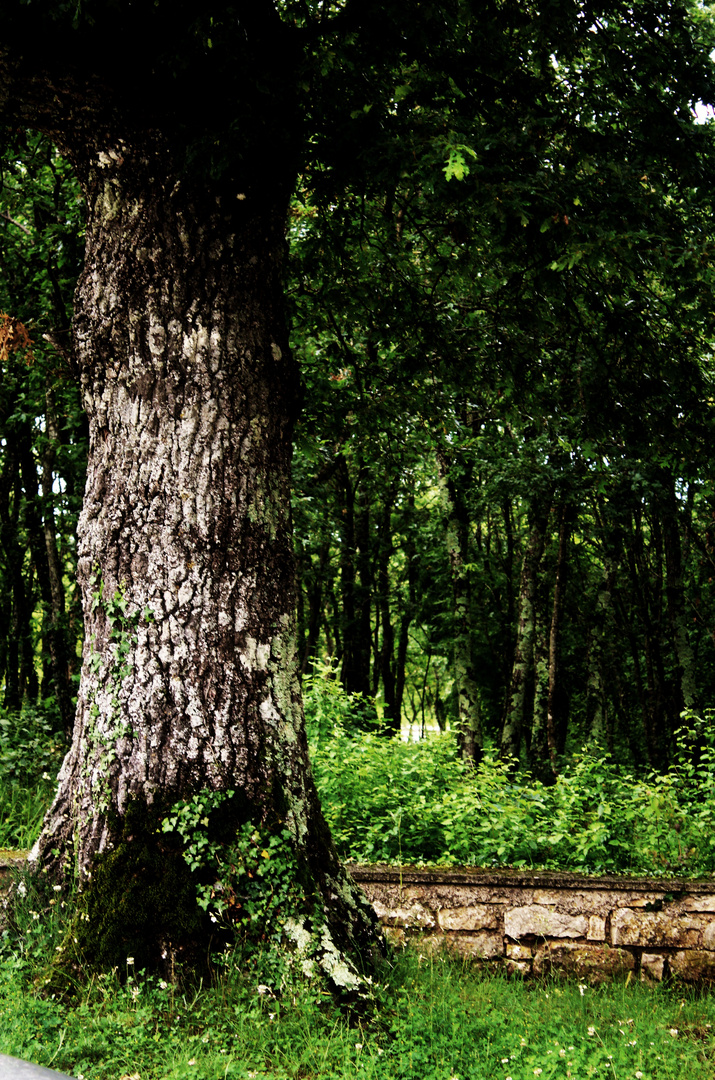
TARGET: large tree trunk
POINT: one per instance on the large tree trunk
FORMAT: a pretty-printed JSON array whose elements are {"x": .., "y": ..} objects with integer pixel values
[{"x": 190, "y": 674}]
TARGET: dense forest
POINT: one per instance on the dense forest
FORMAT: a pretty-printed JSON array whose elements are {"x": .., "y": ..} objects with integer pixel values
[{"x": 504, "y": 507}]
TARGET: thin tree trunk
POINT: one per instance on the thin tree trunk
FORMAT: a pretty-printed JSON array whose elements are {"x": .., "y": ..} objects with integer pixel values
[
  {"x": 686, "y": 687},
  {"x": 513, "y": 728},
  {"x": 469, "y": 720},
  {"x": 555, "y": 717}
]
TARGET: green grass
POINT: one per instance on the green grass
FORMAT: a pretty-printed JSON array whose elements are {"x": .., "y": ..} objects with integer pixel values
[
  {"x": 434, "y": 1019},
  {"x": 22, "y": 809}
]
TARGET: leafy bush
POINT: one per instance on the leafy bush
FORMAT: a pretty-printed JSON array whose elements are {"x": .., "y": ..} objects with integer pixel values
[
  {"x": 31, "y": 753},
  {"x": 29, "y": 744},
  {"x": 391, "y": 801}
]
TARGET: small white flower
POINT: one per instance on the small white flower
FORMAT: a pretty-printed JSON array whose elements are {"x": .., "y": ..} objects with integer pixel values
[
  {"x": 674, "y": 1032},
  {"x": 358, "y": 1046},
  {"x": 130, "y": 961},
  {"x": 581, "y": 989},
  {"x": 263, "y": 989},
  {"x": 592, "y": 1030},
  {"x": 56, "y": 888},
  {"x": 505, "y": 1061},
  {"x": 192, "y": 1061},
  {"x": 538, "y": 1072},
  {"x": 639, "y": 1075},
  {"x": 22, "y": 888}
]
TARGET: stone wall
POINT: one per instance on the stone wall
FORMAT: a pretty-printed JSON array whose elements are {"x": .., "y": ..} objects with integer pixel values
[{"x": 535, "y": 923}]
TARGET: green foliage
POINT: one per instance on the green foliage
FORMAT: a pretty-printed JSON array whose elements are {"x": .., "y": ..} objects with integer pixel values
[
  {"x": 329, "y": 709},
  {"x": 418, "y": 802},
  {"x": 29, "y": 744},
  {"x": 31, "y": 753}
]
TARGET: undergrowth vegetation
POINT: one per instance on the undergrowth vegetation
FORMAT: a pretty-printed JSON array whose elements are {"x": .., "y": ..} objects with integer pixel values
[
  {"x": 388, "y": 800},
  {"x": 31, "y": 753}
]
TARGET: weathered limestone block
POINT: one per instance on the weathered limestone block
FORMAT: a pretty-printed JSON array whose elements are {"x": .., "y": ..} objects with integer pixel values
[
  {"x": 451, "y": 895},
  {"x": 415, "y": 917},
  {"x": 517, "y": 967},
  {"x": 476, "y": 917},
  {"x": 652, "y": 966},
  {"x": 544, "y": 922},
  {"x": 699, "y": 902},
  {"x": 482, "y": 946},
  {"x": 654, "y": 928},
  {"x": 391, "y": 895},
  {"x": 519, "y": 952},
  {"x": 693, "y": 965},
  {"x": 596, "y": 928},
  {"x": 395, "y": 936},
  {"x": 709, "y": 936},
  {"x": 576, "y": 901},
  {"x": 593, "y": 963}
]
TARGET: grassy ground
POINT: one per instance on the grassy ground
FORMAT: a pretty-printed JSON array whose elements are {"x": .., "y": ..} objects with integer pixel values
[{"x": 432, "y": 1019}]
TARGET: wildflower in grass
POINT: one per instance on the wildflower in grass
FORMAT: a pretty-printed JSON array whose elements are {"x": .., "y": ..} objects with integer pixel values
[
  {"x": 130, "y": 961},
  {"x": 639, "y": 1075},
  {"x": 505, "y": 1061},
  {"x": 674, "y": 1032},
  {"x": 358, "y": 1046},
  {"x": 591, "y": 1030},
  {"x": 581, "y": 989},
  {"x": 162, "y": 985},
  {"x": 538, "y": 1072},
  {"x": 192, "y": 1061}
]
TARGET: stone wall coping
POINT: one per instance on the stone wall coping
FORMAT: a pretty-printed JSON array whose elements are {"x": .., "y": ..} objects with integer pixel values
[
  {"x": 522, "y": 879},
  {"x": 491, "y": 876}
]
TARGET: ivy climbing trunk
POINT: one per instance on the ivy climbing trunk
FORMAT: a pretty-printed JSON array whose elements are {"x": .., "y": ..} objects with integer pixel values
[{"x": 190, "y": 673}]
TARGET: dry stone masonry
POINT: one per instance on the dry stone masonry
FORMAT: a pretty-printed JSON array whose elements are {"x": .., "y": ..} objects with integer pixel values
[{"x": 536, "y": 923}]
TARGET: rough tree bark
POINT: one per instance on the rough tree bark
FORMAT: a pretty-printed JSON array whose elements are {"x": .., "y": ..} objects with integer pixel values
[
  {"x": 190, "y": 673},
  {"x": 512, "y": 731},
  {"x": 456, "y": 526}
]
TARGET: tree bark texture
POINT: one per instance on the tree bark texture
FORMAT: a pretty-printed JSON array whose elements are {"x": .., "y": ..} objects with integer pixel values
[
  {"x": 469, "y": 719},
  {"x": 190, "y": 673},
  {"x": 513, "y": 728}
]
